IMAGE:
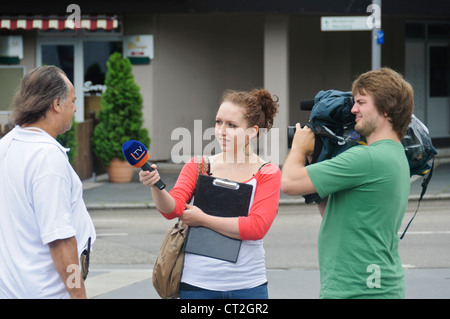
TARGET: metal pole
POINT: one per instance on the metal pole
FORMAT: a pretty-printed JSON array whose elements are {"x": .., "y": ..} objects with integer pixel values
[{"x": 376, "y": 48}]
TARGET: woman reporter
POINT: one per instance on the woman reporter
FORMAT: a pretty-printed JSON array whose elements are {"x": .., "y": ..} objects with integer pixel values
[{"x": 238, "y": 120}]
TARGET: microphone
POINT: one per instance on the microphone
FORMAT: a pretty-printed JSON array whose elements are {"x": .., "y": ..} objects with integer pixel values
[{"x": 137, "y": 155}]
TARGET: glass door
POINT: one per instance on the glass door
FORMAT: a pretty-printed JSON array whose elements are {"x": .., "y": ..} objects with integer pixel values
[
  {"x": 427, "y": 68},
  {"x": 439, "y": 89},
  {"x": 96, "y": 53}
]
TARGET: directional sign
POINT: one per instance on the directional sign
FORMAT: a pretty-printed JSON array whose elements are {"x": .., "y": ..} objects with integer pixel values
[{"x": 345, "y": 23}]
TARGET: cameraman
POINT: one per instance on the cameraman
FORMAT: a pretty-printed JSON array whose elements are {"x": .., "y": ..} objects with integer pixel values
[{"x": 368, "y": 188}]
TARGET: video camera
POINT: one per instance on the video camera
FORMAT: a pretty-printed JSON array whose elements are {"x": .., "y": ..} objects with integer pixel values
[
  {"x": 305, "y": 105},
  {"x": 332, "y": 121}
]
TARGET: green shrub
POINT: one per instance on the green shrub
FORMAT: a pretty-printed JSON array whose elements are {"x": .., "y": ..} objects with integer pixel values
[{"x": 121, "y": 112}]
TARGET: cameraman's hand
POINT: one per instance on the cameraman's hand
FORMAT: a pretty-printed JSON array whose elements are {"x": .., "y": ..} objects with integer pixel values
[
  {"x": 149, "y": 178},
  {"x": 304, "y": 140}
]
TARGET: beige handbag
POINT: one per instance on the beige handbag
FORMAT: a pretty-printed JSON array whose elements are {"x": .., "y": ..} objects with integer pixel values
[{"x": 169, "y": 263}]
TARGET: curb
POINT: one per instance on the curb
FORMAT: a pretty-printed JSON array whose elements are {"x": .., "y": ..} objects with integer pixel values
[{"x": 283, "y": 202}]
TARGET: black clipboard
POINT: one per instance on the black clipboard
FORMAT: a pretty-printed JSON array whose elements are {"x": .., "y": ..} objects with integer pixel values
[{"x": 223, "y": 198}]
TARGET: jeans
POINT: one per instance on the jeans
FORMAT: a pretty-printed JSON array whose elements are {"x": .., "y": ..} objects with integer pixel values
[{"x": 192, "y": 292}]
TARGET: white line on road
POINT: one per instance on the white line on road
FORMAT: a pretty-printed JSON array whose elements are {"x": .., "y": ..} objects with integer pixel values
[
  {"x": 101, "y": 284},
  {"x": 111, "y": 234},
  {"x": 426, "y": 232}
]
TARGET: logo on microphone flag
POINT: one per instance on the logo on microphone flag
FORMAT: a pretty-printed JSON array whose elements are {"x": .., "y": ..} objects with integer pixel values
[{"x": 135, "y": 153}]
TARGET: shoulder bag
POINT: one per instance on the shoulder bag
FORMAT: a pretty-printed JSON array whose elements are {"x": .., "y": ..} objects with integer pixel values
[{"x": 169, "y": 263}]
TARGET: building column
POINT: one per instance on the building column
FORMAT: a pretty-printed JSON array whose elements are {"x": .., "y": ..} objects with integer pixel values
[
  {"x": 78, "y": 72},
  {"x": 276, "y": 80}
]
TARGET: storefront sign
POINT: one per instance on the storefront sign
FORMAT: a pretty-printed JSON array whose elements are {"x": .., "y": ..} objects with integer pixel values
[
  {"x": 138, "y": 48},
  {"x": 11, "y": 47},
  {"x": 90, "y": 88}
]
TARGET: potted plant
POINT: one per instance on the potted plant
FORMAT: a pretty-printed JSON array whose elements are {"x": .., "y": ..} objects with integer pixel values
[{"x": 120, "y": 119}]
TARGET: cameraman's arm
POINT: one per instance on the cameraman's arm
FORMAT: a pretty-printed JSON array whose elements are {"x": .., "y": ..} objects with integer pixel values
[{"x": 294, "y": 177}]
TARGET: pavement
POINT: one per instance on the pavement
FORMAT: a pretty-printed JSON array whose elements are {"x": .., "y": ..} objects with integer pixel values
[
  {"x": 283, "y": 284},
  {"x": 99, "y": 193},
  {"x": 128, "y": 282}
]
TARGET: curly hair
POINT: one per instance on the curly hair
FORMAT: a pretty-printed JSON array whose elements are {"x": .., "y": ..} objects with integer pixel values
[{"x": 260, "y": 106}]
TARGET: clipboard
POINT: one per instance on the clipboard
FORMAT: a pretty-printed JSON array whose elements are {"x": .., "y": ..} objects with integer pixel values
[{"x": 223, "y": 198}]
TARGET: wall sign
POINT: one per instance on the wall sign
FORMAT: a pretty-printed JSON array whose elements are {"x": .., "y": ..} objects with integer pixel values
[
  {"x": 138, "y": 48},
  {"x": 11, "y": 49}
]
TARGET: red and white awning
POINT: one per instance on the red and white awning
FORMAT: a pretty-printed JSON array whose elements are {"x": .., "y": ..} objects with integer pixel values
[{"x": 92, "y": 23}]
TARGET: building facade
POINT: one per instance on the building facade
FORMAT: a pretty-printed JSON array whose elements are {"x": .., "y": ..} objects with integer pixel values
[{"x": 199, "y": 49}]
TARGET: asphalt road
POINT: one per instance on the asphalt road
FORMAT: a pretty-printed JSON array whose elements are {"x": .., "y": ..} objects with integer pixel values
[{"x": 129, "y": 240}]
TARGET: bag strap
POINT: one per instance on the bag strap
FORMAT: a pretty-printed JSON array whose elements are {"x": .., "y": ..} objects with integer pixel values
[
  {"x": 424, "y": 185},
  {"x": 203, "y": 166}
]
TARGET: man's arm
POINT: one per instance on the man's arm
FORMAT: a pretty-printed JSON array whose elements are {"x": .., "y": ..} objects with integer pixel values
[
  {"x": 65, "y": 257},
  {"x": 294, "y": 176},
  {"x": 322, "y": 206}
]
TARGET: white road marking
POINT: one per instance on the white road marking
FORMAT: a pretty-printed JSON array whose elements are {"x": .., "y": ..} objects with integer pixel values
[{"x": 100, "y": 284}]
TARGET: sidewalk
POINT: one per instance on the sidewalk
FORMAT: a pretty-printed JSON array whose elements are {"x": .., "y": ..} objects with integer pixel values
[
  {"x": 100, "y": 194},
  {"x": 283, "y": 284}
]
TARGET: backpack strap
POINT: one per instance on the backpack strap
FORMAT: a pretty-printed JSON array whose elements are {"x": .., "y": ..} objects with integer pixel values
[{"x": 425, "y": 182}]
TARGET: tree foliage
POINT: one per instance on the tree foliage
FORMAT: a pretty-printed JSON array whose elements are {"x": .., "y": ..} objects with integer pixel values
[{"x": 121, "y": 112}]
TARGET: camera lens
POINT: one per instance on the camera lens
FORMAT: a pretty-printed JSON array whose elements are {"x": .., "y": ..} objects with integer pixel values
[{"x": 290, "y": 135}]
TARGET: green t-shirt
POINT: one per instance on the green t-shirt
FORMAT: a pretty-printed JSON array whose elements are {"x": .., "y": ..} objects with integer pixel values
[{"x": 368, "y": 189}]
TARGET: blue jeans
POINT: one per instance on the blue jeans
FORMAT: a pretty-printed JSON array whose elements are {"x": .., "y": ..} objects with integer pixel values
[{"x": 192, "y": 292}]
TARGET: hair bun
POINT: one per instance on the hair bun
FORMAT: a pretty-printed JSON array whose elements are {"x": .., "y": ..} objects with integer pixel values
[
  {"x": 260, "y": 106},
  {"x": 269, "y": 105}
]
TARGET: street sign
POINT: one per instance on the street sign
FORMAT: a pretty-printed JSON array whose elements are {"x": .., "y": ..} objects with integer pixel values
[
  {"x": 350, "y": 23},
  {"x": 360, "y": 23},
  {"x": 380, "y": 37}
]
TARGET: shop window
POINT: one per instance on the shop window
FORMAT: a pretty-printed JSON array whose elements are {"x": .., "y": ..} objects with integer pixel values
[
  {"x": 439, "y": 71},
  {"x": 438, "y": 30},
  {"x": 95, "y": 55},
  {"x": 61, "y": 55},
  {"x": 415, "y": 30}
]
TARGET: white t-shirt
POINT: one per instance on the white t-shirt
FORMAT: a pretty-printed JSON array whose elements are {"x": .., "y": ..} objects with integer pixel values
[
  {"x": 40, "y": 202},
  {"x": 249, "y": 271}
]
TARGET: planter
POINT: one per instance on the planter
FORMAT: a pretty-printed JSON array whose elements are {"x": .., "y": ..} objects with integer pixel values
[{"x": 119, "y": 171}]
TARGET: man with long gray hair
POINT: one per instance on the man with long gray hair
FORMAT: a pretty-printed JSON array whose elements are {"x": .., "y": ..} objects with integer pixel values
[{"x": 45, "y": 228}]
